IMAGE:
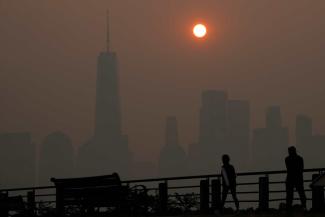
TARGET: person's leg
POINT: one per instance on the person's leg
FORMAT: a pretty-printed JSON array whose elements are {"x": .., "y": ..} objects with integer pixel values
[
  {"x": 234, "y": 196},
  {"x": 289, "y": 190},
  {"x": 301, "y": 192},
  {"x": 224, "y": 195}
]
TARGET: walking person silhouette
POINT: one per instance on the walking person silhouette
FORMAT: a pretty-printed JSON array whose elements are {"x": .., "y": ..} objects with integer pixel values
[
  {"x": 228, "y": 174},
  {"x": 295, "y": 179}
]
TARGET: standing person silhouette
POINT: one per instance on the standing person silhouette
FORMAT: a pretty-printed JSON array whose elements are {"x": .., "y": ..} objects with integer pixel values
[
  {"x": 228, "y": 181},
  {"x": 295, "y": 179}
]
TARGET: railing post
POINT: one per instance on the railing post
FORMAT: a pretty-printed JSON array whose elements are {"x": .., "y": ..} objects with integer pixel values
[
  {"x": 59, "y": 202},
  {"x": 204, "y": 196},
  {"x": 317, "y": 196},
  {"x": 216, "y": 194},
  {"x": 31, "y": 203},
  {"x": 3, "y": 204},
  {"x": 163, "y": 197},
  {"x": 263, "y": 193}
]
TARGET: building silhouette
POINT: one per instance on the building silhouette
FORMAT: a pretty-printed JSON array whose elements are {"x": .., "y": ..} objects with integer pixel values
[
  {"x": 270, "y": 143},
  {"x": 212, "y": 129},
  {"x": 238, "y": 141},
  {"x": 304, "y": 129},
  {"x": 107, "y": 151},
  {"x": 17, "y": 160},
  {"x": 56, "y": 158},
  {"x": 311, "y": 146},
  {"x": 315, "y": 151},
  {"x": 173, "y": 159},
  {"x": 224, "y": 129},
  {"x": 194, "y": 158}
]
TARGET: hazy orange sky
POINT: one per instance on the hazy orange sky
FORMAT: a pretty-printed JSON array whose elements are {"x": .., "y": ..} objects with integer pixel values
[{"x": 270, "y": 52}]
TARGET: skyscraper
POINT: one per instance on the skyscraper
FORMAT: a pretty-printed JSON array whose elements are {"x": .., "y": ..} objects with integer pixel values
[
  {"x": 107, "y": 151},
  {"x": 270, "y": 143},
  {"x": 108, "y": 116},
  {"x": 224, "y": 129},
  {"x": 56, "y": 158},
  {"x": 213, "y": 129},
  {"x": 238, "y": 141},
  {"x": 273, "y": 117},
  {"x": 311, "y": 146},
  {"x": 173, "y": 159},
  {"x": 304, "y": 131}
]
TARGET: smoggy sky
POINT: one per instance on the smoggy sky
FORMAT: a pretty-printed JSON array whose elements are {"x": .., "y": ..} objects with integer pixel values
[{"x": 270, "y": 52}]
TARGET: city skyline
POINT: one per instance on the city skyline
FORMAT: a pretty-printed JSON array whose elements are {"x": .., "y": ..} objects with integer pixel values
[{"x": 49, "y": 77}]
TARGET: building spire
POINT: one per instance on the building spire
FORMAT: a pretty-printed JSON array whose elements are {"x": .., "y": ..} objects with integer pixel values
[{"x": 107, "y": 33}]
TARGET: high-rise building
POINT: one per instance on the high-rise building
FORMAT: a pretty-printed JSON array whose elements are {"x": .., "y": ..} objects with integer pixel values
[
  {"x": 314, "y": 151},
  {"x": 273, "y": 117},
  {"x": 311, "y": 147},
  {"x": 173, "y": 159},
  {"x": 238, "y": 141},
  {"x": 270, "y": 143},
  {"x": 56, "y": 158},
  {"x": 107, "y": 151},
  {"x": 108, "y": 113},
  {"x": 17, "y": 160},
  {"x": 304, "y": 131},
  {"x": 224, "y": 129},
  {"x": 213, "y": 129}
]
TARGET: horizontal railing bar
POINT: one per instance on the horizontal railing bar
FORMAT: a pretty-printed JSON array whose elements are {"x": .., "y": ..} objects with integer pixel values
[
  {"x": 247, "y": 192},
  {"x": 244, "y": 201},
  {"x": 48, "y": 201},
  {"x": 247, "y": 183},
  {"x": 271, "y": 200},
  {"x": 182, "y": 187},
  {"x": 45, "y": 195},
  {"x": 164, "y": 179},
  {"x": 28, "y": 189}
]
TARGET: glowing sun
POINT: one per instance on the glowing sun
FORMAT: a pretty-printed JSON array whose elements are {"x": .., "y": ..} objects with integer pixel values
[{"x": 199, "y": 30}]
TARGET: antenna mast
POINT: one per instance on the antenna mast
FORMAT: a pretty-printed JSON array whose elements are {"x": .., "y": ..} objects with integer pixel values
[{"x": 107, "y": 33}]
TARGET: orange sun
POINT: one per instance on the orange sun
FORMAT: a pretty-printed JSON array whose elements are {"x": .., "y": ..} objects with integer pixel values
[{"x": 199, "y": 30}]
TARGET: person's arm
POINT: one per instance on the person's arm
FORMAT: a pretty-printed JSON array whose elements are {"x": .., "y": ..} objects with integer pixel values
[
  {"x": 225, "y": 176},
  {"x": 302, "y": 166},
  {"x": 234, "y": 171},
  {"x": 286, "y": 162}
]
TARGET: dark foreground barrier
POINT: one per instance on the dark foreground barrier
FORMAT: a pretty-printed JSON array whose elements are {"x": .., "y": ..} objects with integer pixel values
[{"x": 260, "y": 190}]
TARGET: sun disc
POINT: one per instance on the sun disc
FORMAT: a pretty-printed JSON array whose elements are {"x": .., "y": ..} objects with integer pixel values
[{"x": 199, "y": 30}]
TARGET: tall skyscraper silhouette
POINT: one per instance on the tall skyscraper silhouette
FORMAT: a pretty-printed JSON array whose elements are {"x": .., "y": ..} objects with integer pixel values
[
  {"x": 238, "y": 141},
  {"x": 270, "y": 143},
  {"x": 173, "y": 159},
  {"x": 108, "y": 114},
  {"x": 213, "y": 129},
  {"x": 108, "y": 149}
]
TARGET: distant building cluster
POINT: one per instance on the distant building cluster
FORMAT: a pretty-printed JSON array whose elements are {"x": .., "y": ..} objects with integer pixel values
[{"x": 224, "y": 128}]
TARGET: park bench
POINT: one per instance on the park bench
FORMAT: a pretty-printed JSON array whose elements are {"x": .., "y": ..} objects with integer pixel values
[{"x": 90, "y": 194}]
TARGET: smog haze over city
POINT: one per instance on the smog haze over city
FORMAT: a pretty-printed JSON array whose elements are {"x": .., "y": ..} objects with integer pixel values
[{"x": 135, "y": 83}]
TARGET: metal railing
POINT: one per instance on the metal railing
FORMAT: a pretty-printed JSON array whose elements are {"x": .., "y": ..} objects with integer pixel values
[{"x": 255, "y": 189}]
